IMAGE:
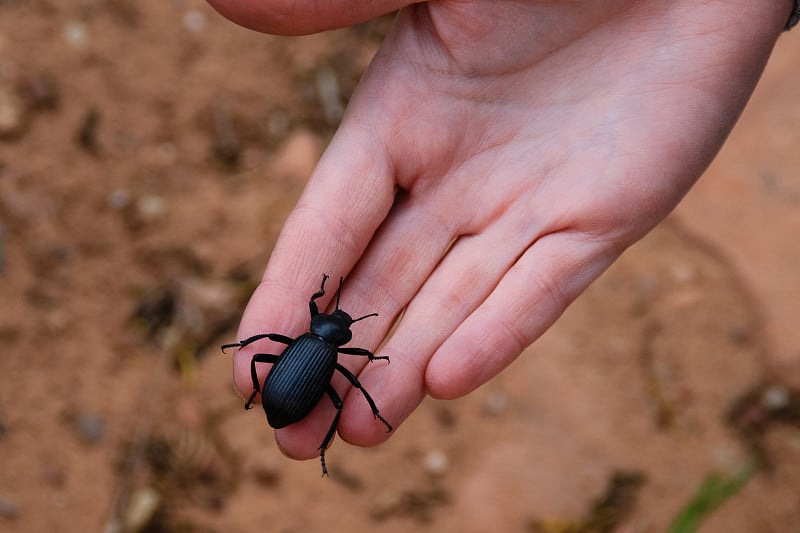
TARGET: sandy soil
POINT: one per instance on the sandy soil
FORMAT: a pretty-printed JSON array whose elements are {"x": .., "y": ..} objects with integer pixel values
[{"x": 149, "y": 153}]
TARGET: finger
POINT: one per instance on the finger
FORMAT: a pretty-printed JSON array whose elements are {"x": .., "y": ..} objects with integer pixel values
[
  {"x": 401, "y": 255},
  {"x": 289, "y": 17},
  {"x": 460, "y": 282},
  {"x": 410, "y": 244},
  {"x": 404, "y": 252},
  {"x": 347, "y": 197},
  {"x": 528, "y": 299}
]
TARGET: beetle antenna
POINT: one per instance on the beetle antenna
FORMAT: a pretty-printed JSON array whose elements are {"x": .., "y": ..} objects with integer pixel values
[
  {"x": 365, "y": 316},
  {"x": 339, "y": 292}
]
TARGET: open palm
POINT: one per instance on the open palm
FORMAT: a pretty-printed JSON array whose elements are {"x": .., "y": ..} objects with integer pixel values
[{"x": 495, "y": 159}]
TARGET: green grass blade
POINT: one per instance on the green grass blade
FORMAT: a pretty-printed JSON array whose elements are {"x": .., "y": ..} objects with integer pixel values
[{"x": 715, "y": 490}]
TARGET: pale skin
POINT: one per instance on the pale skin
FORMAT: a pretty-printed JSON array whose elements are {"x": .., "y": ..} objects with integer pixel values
[{"x": 495, "y": 159}]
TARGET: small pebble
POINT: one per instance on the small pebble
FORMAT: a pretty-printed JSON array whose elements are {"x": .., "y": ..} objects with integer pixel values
[
  {"x": 9, "y": 509},
  {"x": 76, "y": 34},
  {"x": 194, "y": 20},
  {"x": 151, "y": 207},
  {"x": 119, "y": 198},
  {"x": 141, "y": 510},
  {"x": 776, "y": 397},
  {"x": 436, "y": 463},
  {"x": 167, "y": 153},
  {"x": 91, "y": 428},
  {"x": 55, "y": 321},
  {"x": 495, "y": 403}
]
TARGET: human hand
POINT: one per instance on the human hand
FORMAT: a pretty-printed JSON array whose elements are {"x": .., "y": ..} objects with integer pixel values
[{"x": 495, "y": 159}]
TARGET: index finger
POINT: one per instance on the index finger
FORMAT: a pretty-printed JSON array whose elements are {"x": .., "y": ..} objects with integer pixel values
[{"x": 346, "y": 199}]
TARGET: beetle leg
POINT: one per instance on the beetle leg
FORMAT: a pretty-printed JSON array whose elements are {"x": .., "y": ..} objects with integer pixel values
[
  {"x": 337, "y": 403},
  {"x": 354, "y": 381},
  {"x": 258, "y": 358},
  {"x": 271, "y": 336},
  {"x": 362, "y": 351},
  {"x": 312, "y": 305}
]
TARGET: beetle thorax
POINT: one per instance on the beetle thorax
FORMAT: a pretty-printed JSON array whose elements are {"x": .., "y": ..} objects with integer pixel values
[{"x": 334, "y": 328}]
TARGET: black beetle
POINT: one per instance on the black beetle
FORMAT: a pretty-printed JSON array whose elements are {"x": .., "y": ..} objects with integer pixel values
[{"x": 302, "y": 373}]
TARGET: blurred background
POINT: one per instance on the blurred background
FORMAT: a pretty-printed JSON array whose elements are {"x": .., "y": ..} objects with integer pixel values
[{"x": 149, "y": 152}]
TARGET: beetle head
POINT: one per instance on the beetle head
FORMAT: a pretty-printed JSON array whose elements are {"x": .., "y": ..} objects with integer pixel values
[{"x": 334, "y": 328}]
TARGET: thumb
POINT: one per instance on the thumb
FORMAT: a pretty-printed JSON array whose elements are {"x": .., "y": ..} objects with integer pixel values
[{"x": 289, "y": 17}]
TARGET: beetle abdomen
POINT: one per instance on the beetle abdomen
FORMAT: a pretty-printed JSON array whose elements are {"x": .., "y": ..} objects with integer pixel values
[{"x": 298, "y": 380}]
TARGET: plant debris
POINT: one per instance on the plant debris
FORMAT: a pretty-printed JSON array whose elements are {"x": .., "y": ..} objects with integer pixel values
[
  {"x": 610, "y": 510},
  {"x": 756, "y": 411},
  {"x": 715, "y": 490},
  {"x": 416, "y": 503}
]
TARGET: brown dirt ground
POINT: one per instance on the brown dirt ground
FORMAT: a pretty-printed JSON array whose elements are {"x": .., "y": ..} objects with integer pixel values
[{"x": 149, "y": 153}]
